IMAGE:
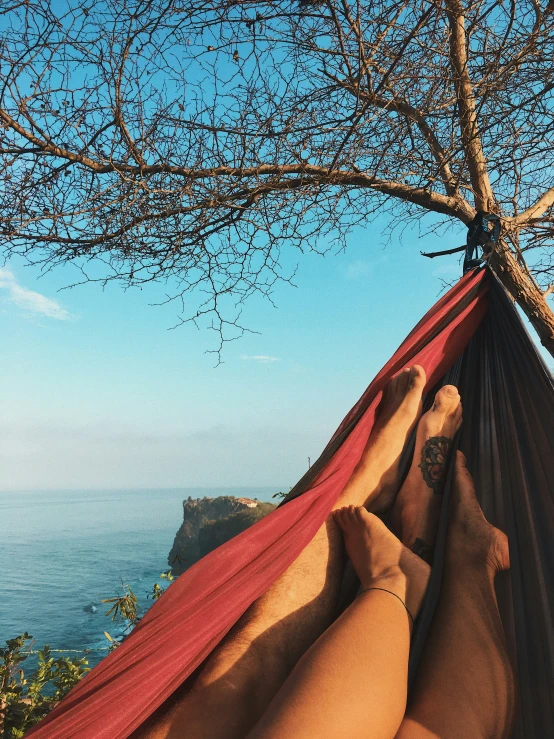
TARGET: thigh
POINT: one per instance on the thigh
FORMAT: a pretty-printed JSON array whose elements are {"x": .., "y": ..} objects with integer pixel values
[{"x": 245, "y": 671}]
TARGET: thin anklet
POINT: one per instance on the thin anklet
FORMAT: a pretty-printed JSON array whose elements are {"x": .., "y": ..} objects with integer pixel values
[{"x": 365, "y": 590}]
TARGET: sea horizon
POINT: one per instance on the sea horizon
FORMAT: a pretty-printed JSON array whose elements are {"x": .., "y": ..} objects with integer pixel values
[
  {"x": 65, "y": 550},
  {"x": 148, "y": 488}
]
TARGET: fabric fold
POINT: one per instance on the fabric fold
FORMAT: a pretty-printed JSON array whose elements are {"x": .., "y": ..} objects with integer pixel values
[{"x": 472, "y": 335}]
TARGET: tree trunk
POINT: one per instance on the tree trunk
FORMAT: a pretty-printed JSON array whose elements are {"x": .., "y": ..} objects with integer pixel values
[{"x": 525, "y": 293}]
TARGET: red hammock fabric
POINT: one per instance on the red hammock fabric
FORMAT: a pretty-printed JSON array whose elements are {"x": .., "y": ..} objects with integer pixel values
[{"x": 184, "y": 626}]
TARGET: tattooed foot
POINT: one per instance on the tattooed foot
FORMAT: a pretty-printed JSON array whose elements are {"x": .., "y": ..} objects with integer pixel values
[
  {"x": 374, "y": 482},
  {"x": 434, "y": 456},
  {"x": 417, "y": 507}
]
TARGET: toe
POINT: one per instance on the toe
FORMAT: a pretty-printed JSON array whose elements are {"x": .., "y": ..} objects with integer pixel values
[
  {"x": 404, "y": 380},
  {"x": 398, "y": 384},
  {"x": 352, "y": 515},
  {"x": 364, "y": 516},
  {"x": 338, "y": 516},
  {"x": 502, "y": 550},
  {"x": 417, "y": 377},
  {"x": 464, "y": 499},
  {"x": 446, "y": 400},
  {"x": 462, "y": 475}
]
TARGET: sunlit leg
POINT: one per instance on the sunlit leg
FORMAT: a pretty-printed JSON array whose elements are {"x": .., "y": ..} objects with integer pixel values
[
  {"x": 244, "y": 673},
  {"x": 465, "y": 685}
]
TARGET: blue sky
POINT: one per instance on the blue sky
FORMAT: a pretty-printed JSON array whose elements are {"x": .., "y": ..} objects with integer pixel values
[{"x": 97, "y": 392}]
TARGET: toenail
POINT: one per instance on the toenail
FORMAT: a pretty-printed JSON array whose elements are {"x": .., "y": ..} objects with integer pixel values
[{"x": 451, "y": 391}]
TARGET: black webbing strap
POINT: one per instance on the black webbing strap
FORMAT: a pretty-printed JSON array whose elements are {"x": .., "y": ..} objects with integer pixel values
[{"x": 484, "y": 232}]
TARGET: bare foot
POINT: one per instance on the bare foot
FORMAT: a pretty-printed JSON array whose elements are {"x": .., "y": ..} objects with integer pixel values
[
  {"x": 380, "y": 559},
  {"x": 374, "y": 482},
  {"x": 417, "y": 507},
  {"x": 470, "y": 535}
]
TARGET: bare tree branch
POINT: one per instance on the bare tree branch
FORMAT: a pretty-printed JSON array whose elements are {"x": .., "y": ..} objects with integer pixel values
[
  {"x": 469, "y": 128},
  {"x": 193, "y": 142},
  {"x": 535, "y": 211}
]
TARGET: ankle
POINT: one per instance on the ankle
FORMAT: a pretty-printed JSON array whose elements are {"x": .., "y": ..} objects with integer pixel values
[
  {"x": 392, "y": 579},
  {"x": 397, "y": 586},
  {"x": 471, "y": 562}
]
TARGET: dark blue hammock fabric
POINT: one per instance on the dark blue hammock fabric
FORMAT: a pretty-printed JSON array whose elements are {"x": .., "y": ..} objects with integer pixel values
[{"x": 507, "y": 436}]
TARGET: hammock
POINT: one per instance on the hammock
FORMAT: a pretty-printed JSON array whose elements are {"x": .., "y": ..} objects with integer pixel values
[{"x": 473, "y": 338}]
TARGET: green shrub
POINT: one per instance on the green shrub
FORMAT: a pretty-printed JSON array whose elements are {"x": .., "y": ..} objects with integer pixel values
[{"x": 26, "y": 700}]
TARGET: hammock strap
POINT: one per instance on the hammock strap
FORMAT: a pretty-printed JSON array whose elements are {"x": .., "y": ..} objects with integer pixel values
[{"x": 484, "y": 232}]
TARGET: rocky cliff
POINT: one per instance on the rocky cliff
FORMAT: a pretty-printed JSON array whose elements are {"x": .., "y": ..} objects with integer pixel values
[{"x": 209, "y": 522}]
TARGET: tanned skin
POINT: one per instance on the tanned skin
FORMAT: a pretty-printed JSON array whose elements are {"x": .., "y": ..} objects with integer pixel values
[
  {"x": 243, "y": 674},
  {"x": 352, "y": 682}
]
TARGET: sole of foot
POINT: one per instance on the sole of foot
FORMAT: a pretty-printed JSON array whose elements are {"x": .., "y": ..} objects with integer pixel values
[
  {"x": 471, "y": 536},
  {"x": 417, "y": 507},
  {"x": 375, "y": 479},
  {"x": 380, "y": 559}
]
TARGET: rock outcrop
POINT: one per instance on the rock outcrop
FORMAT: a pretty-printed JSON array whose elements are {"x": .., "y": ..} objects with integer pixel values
[{"x": 210, "y": 522}]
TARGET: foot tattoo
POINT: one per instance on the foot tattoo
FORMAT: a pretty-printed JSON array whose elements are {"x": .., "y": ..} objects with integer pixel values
[
  {"x": 434, "y": 456},
  {"x": 416, "y": 512}
]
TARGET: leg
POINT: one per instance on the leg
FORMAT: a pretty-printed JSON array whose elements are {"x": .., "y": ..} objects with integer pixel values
[
  {"x": 354, "y": 644},
  {"x": 353, "y": 681},
  {"x": 243, "y": 674},
  {"x": 416, "y": 511},
  {"x": 465, "y": 687}
]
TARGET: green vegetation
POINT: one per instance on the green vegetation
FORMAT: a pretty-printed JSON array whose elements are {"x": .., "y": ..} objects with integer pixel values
[
  {"x": 126, "y": 610},
  {"x": 25, "y": 699}
]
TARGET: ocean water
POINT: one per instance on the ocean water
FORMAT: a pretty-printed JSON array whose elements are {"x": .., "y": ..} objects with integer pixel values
[{"x": 61, "y": 551}]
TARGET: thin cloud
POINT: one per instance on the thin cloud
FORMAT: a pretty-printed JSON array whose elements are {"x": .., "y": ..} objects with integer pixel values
[
  {"x": 262, "y": 358},
  {"x": 29, "y": 300},
  {"x": 357, "y": 269}
]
